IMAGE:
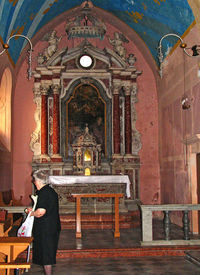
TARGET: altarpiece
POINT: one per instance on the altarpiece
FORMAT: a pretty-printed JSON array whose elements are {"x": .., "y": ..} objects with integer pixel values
[{"x": 85, "y": 114}]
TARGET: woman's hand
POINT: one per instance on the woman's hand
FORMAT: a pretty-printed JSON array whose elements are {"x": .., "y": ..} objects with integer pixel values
[
  {"x": 38, "y": 213},
  {"x": 27, "y": 210}
]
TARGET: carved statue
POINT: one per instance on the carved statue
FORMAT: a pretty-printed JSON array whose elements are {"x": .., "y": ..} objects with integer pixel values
[
  {"x": 117, "y": 43},
  {"x": 53, "y": 41}
]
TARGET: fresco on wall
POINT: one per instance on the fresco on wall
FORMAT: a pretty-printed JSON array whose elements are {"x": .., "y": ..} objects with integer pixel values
[
  {"x": 149, "y": 19},
  {"x": 85, "y": 107}
]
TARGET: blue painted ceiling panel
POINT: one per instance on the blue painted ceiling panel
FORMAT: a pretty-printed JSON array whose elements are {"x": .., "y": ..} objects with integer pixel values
[{"x": 150, "y": 19}]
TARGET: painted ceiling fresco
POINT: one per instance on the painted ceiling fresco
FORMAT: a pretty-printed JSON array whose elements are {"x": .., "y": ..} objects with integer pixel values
[{"x": 150, "y": 19}]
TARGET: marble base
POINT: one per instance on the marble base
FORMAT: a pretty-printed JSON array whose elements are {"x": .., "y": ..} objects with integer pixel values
[{"x": 172, "y": 242}]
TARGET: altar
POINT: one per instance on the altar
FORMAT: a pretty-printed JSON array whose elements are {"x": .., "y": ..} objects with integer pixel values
[
  {"x": 67, "y": 185},
  {"x": 64, "y": 180}
]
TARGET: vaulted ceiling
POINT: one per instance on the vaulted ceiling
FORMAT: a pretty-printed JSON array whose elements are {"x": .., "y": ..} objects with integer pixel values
[{"x": 150, "y": 19}]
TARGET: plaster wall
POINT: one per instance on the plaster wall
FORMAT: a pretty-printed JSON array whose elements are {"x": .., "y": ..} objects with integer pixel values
[
  {"x": 147, "y": 118},
  {"x": 5, "y": 169},
  {"x": 6, "y": 84},
  {"x": 178, "y": 126}
]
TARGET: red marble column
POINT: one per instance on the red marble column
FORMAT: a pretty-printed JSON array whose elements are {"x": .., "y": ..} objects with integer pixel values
[
  {"x": 94, "y": 158},
  {"x": 44, "y": 123},
  {"x": 116, "y": 119},
  {"x": 56, "y": 123},
  {"x": 128, "y": 130}
]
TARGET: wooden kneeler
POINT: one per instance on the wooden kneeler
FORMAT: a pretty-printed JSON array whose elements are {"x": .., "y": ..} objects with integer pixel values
[
  {"x": 21, "y": 267},
  {"x": 14, "y": 265},
  {"x": 12, "y": 247}
]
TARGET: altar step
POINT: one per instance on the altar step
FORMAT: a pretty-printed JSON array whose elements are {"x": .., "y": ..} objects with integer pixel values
[
  {"x": 101, "y": 221},
  {"x": 97, "y": 243},
  {"x": 160, "y": 251},
  {"x": 157, "y": 251}
]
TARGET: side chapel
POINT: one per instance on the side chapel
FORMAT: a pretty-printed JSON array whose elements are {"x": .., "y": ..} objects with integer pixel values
[
  {"x": 104, "y": 97},
  {"x": 85, "y": 107}
]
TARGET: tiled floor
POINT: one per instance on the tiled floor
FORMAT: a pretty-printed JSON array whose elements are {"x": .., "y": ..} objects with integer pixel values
[
  {"x": 123, "y": 266},
  {"x": 93, "y": 238},
  {"x": 99, "y": 239}
]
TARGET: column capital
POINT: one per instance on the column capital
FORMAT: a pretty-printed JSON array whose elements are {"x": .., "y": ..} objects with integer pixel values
[
  {"x": 36, "y": 91},
  {"x": 134, "y": 91},
  {"x": 130, "y": 88},
  {"x": 127, "y": 87},
  {"x": 44, "y": 88},
  {"x": 56, "y": 88},
  {"x": 117, "y": 84}
]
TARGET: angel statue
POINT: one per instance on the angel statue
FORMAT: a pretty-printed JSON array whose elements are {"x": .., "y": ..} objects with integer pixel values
[
  {"x": 117, "y": 43},
  {"x": 53, "y": 41}
]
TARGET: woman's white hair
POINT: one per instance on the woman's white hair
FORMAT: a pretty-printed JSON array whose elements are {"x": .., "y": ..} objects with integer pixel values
[{"x": 42, "y": 176}]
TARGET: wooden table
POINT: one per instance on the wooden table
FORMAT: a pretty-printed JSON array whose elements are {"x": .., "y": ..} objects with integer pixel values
[
  {"x": 78, "y": 197},
  {"x": 13, "y": 246}
]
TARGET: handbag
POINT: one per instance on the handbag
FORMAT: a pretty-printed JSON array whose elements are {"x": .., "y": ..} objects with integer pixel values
[{"x": 25, "y": 230}]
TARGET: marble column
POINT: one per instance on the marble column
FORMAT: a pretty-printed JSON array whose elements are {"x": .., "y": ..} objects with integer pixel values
[
  {"x": 116, "y": 116},
  {"x": 44, "y": 123},
  {"x": 128, "y": 134},
  {"x": 56, "y": 123}
]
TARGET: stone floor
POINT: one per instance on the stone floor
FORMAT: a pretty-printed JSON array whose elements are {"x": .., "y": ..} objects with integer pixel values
[
  {"x": 130, "y": 238},
  {"x": 123, "y": 266}
]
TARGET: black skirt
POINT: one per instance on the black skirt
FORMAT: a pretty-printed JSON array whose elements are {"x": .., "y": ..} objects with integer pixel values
[{"x": 44, "y": 248}]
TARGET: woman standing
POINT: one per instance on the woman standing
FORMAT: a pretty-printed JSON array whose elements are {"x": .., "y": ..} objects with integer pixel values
[{"x": 46, "y": 227}]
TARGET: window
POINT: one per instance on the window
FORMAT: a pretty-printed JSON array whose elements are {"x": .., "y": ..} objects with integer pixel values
[
  {"x": 86, "y": 61},
  {"x": 5, "y": 108}
]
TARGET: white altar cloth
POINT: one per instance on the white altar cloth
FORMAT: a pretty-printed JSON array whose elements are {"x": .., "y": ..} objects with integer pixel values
[{"x": 64, "y": 180}]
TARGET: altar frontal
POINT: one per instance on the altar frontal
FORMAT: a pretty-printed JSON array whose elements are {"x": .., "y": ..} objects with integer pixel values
[{"x": 67, "y": 185}]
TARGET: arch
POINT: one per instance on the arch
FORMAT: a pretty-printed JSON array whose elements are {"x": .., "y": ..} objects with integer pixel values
[{"x": 5, "y": 108}]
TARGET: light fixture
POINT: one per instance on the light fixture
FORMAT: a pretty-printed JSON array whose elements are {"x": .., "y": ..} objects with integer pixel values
[
  {"x": 6, "y": 47},
  {"x": 198, "y": 72},
  {"x": 195, "y": 50},
  {"x": 185, "y": 103}
]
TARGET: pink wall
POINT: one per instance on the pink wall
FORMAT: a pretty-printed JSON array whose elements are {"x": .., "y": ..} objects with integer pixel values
[
  {"x": 147, "y": 125},
  {"x": 177, "y": 124},
  {"x": 147, "y": 113},
  {"x": 23, "y": 125},
  {"x": 5, "y": 169},
  {"x": 5, "y": 154}
]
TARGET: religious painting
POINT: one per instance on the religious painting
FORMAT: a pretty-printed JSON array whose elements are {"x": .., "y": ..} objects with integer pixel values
[{"x": 85, "y": 107}]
